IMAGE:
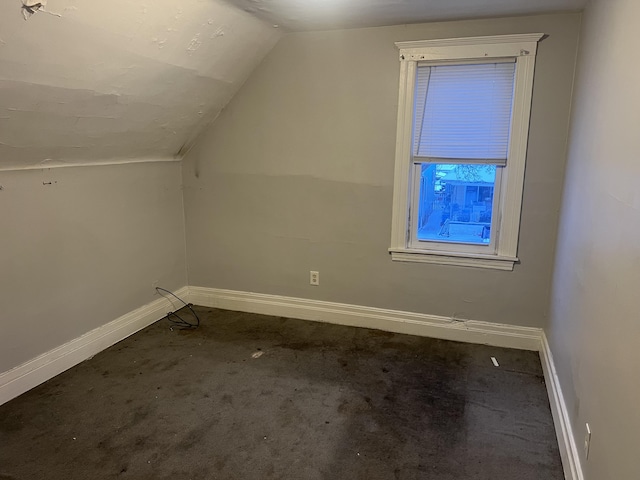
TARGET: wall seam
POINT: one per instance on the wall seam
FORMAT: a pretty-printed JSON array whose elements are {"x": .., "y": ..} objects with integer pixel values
[
  {"x": 564, "y": 173},
  {"x": 184, "y": 224}
]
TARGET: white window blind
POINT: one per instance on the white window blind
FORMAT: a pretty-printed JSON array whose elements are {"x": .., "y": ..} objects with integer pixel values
[{"x": 463, "y": 112}]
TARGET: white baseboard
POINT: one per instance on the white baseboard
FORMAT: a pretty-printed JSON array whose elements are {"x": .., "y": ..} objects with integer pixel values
[
  {"x": 564, "y": 432},
  {"x": 40, "y": 369},
  {"x": 499, "y": 335},
  {"x": 495, "y": 334},
  {"x": 24, "y": 377}
]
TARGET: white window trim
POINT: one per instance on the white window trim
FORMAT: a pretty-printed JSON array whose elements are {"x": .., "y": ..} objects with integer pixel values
[{"x": 523, "y": 48}]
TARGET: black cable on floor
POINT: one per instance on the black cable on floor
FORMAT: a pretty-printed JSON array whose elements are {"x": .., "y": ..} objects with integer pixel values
[{"x": 180, "y": 322}]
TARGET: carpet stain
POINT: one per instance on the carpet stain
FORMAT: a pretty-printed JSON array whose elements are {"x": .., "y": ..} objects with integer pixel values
[{"x": 321, "y": 402}]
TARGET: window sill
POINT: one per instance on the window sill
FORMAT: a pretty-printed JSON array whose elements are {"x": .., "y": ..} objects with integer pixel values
[{"x": 493, "y": 262}]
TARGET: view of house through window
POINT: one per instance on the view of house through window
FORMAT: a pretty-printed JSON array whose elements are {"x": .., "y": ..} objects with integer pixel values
[
  {"x": 462, "y": 117},
  {"x": 455, "y": 202}
]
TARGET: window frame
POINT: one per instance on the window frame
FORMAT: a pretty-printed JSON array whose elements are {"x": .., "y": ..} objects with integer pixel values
[{"x": 455, "y": 51}]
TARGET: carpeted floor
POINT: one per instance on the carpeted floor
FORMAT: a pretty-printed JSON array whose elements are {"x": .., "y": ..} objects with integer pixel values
[{"x": 254, "y": 397}]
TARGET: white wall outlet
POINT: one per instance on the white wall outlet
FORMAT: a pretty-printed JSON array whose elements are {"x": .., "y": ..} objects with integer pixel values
[
  {"x": 154, "y": 284},
  {"x": 587, "y": 440},
  {"x": 314, "y": 278}
]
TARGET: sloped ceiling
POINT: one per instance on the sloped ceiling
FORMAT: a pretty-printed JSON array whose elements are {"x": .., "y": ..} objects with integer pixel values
[{"x": 88, "y": 81}]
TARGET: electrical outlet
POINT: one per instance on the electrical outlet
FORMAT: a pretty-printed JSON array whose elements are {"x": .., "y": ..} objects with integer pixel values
[
  {"x": 314, "y": 278},
  {"x": 154, "y": 284},
  {"x": 587, "y": 440}
]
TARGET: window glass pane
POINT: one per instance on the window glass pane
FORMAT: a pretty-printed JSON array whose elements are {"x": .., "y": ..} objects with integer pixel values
[
  {"x": 455, "y": 203},
  {"x": 463, "y": 111}
]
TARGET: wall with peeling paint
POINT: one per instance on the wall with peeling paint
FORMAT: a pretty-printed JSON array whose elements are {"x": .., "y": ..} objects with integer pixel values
[
  {"x": 90, "y": 80},
  {"x": 82, "y": 246},
  {"x": 297, "y": 173}
]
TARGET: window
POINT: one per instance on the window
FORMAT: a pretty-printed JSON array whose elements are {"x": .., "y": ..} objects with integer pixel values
[{"x": 463, "y": 121}]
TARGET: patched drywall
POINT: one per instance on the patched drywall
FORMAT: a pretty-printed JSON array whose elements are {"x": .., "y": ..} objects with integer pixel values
[
  {"x": 595, "y": 328},
  {"x": 310, "y": 188},
  {"x": 86, "y": 81}
]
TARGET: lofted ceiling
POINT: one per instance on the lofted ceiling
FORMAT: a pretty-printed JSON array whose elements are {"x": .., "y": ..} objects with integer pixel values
[
  {"x": 89, "y": 81},
  {"x": 330, "y": 14}
]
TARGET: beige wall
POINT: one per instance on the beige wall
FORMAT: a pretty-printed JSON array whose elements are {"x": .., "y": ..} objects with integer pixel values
[
  {"x": 297, "y": 175},
  {"x": 594, "y": 330},
  {"x": 84, "y": 250}
]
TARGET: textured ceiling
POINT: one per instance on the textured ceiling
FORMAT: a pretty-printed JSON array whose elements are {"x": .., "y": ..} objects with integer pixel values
[
  {"x": 88, "y": 80},
  {"x": 330, "y": 14}
]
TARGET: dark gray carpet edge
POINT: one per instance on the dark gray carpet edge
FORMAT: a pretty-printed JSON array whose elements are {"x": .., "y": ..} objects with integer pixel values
[{"x": 249, "y": 396}]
